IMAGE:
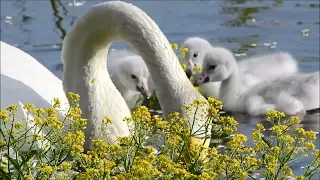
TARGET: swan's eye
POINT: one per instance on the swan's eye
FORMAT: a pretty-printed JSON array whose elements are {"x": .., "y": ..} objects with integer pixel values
[
  {"x": 212, "y": 67},
  {"x": 133, "y": 76},
  {"x": 195, "y": 55}
]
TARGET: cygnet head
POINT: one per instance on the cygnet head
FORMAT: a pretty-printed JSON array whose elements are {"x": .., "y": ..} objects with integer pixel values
[
  {"x": 134, "y": 75},
  {"x": 197, "y": 47},
  {"x": 218, "y": 64}
]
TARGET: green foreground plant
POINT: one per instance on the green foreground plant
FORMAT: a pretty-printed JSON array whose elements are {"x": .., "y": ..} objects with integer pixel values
[{"x": 157, "y": 149}]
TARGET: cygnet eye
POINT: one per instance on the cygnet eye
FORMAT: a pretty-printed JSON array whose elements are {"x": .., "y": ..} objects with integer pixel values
[
  {"x": 195, "y": 55},
  {"x": 212, "y": 67},
  {"x": 133, "y": 76}
]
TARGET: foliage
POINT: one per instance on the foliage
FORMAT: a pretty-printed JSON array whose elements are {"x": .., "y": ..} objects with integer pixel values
[{"x": 157, "y": 149}]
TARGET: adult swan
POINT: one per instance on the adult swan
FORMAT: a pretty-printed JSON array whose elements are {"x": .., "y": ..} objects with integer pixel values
[{"x": 83, "y": 56}]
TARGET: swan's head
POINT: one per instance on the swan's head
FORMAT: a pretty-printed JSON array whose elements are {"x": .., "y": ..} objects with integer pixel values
[
  {"x": 197, "y": 47},
  {"x": 218, "y": 64},
  {"x": 134, "y": 75}
]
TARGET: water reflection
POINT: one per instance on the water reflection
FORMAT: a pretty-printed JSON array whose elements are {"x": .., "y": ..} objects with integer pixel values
[
  {"x": 309, "y": 122},
  {"x": 25, "y": 20},
  {"x": 54, "y": 4}
]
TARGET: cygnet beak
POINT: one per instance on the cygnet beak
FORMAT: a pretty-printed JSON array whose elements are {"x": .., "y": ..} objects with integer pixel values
[
  {"x": 201, "y": 80},
  {"x": 188, "y": 73},
  {"x": 145, "y": 93}
]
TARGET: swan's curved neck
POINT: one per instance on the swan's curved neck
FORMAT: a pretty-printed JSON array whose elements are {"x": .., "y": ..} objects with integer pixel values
[
  {"x": 87, "y": 43},
  {"x": 230, "y": 90}
]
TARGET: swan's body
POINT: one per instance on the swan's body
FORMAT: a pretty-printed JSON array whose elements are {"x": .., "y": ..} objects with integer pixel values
[
  {"x": 130, "y": 75},
  {"x": 83, "y": 55},
  {"x": 23, "y": 81},
  {"x": 253, "y": 70},
  {"x": 291, "y": 93}
]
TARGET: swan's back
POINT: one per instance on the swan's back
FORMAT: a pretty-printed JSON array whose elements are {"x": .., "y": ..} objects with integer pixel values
[
  {"x": 24, "y": 79},
  {"x": 269, "y": 66},
  {"x": 304, "y": 87}
]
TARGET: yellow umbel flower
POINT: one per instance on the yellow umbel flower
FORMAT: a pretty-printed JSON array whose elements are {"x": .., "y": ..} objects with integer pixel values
[
  {"x": 184, "y": 50},
  {"x": 174, "y": 46}
]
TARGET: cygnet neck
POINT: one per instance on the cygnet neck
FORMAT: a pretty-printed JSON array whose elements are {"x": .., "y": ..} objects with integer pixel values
[{"x": 231, "y": 89}]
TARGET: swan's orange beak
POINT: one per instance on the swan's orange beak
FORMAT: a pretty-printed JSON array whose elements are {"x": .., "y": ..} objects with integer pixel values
[
  {"x": 201, "y": 80},
  {"x": 143, "y": 90}
]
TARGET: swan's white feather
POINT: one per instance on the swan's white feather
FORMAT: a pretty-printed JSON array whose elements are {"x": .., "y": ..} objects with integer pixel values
[
  {"x": 25, "y": 81},
  {"x": 83, "y": 57},
  {"x": 121, "y": 65},
  {"x": 253, "y": 70},
  {"x": 291, "y": 93}
]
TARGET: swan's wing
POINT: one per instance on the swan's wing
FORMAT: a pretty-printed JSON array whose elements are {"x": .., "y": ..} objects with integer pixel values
[
  {"x": 24, "y": 79},
  {"x": 267, "y": 66}
]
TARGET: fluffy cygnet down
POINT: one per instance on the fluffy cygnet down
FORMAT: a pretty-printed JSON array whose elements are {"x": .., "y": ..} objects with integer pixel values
[
  {"x": 291, "y": 93},
  {"x": 130, "y": 75},
  {"x": 253, "y": 70}
]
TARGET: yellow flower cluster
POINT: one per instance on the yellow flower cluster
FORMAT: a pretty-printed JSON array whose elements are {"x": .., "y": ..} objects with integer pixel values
[{"x": 179, "y": 155}]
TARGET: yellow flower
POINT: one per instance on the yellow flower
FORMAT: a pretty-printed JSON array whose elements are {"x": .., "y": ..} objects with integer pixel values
[
  {"x": 275, "y": 151},
  {"x": 260, "y": 127},
  {"x": 294, "y": 120},
  {"x": 18, "y": 125},
  {"x": 56, "y": 103},
  {"x": 51, "y": 112},
  {"x": 274, "y": 114},
  {"x": 287, "y": 170},
  {"x": 12, "y": 108},
  {"x": 149, "y": 149},
  {"x": 93, "y": 81},
  {"x": 237, "y": 141},
  {"x": 38, "y": 121},
  {"x": 107, "y": 120},
  {"x": 260, "y": 145},
  {"x": 301, "y": 132},
  {"x": 2, "y": 143},
  {"x": 317, "y": 154},
  {"x": 278, "y": 130},
  {"x": 184, "y": 66},
  {"x": 29, "y": 107},
  {"x": 197, "y": 69},
  {"x": 309, "y": 145},
  {"x": 28, "y": 177},
  {"x": 204, "y": 176},
  {"x": 270, "y": 162},
  {"x": 184, "y": 50},
  {"x": 37, "y": 137},
  {"x": 39, "y": 112},
  {"x": 174, "y": 46},
  {"x": 256, "y": 134},
  {"x": 311, "y": 135},
  {"x": 77, "y": 148},
  {"x": 287, "y": 139},
  {"x": 65, "y": 166},
  {"x": 48, "y": 170},
  {"x": 3, "y": 115},
  {"x": 74, "y": 98},
  {"x": 299, "y": 177}
]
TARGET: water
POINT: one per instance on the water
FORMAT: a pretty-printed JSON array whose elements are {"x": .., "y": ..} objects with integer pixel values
[{"x": 247, "y": 27}]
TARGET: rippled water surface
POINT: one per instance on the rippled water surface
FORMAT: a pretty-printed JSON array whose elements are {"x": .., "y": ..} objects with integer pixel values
[{"x": 247, "y": 27}]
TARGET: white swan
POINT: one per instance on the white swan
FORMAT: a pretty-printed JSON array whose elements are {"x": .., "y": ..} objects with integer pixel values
[
  {"x": 292, "y": 93},
  {"x": 130, "y": 75},
  {"x": 24, "y": 80},
  {"x": 252, "y": 69},
  {"x": 83, "y": 55}
]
